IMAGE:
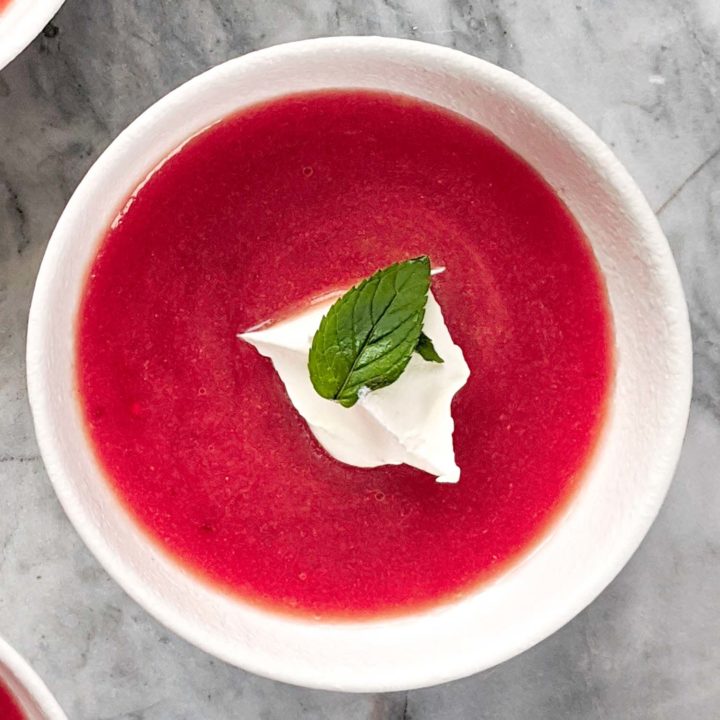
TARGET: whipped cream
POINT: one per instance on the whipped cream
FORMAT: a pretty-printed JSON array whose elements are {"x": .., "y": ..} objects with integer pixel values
[{"x": 408, "y": 422}]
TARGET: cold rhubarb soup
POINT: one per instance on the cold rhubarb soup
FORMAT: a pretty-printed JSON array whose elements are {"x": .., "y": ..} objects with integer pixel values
[
  {"x": 228, "y": 458},
  {"x": 9, "y": 707}
]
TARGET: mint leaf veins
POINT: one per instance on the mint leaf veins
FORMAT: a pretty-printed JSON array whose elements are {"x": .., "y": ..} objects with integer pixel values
[{"x": 368, "y": 336}]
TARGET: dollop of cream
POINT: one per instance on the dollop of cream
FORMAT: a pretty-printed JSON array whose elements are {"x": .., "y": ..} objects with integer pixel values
[{"x": 409, "y": 422}]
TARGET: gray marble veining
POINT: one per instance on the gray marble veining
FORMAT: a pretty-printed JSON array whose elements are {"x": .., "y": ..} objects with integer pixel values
[{"x": 646, "y": 76}]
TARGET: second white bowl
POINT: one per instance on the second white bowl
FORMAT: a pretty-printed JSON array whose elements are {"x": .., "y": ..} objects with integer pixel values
[
  {"x": 26, "y": 687},
  {"x": 20, "y": 22}
]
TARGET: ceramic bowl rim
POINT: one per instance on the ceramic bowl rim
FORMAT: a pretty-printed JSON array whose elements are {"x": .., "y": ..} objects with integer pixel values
[
  {"x": 20, "y": 32},
  {"x": 24, "y": 675}
]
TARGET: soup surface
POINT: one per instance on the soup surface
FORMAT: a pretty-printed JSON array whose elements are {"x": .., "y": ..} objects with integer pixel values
[
  {"x": 9, "y": 709},
  {"x": 267, "y": 209}
]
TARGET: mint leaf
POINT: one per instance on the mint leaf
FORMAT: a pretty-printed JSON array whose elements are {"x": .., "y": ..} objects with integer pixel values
[
  {"x": 426, "y": 349},
  {"x": 368, "y": 336}
]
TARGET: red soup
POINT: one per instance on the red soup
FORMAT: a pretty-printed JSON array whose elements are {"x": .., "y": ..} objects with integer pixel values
[
  {"x": 272, "y": 206},
  {"x": 9, "y": 708}
]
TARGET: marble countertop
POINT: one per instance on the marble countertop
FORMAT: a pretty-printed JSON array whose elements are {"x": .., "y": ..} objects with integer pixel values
[{"x": 646, "y": 76}]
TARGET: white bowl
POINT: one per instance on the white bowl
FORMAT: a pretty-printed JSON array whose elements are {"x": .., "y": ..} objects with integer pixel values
[
  {"x": 625, "y": 484},
  {"x": 20, "y": 22},
  {"x": 26, "y": 687}
]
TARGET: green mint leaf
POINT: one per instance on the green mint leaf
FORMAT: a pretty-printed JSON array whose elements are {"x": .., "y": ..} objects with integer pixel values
[
  {"x": 426, "y": 350},
  {"x": 368, "y": 336}
]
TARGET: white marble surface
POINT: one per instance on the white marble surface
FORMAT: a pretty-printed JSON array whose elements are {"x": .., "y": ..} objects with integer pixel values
[{"x": 646, "y": 75}]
